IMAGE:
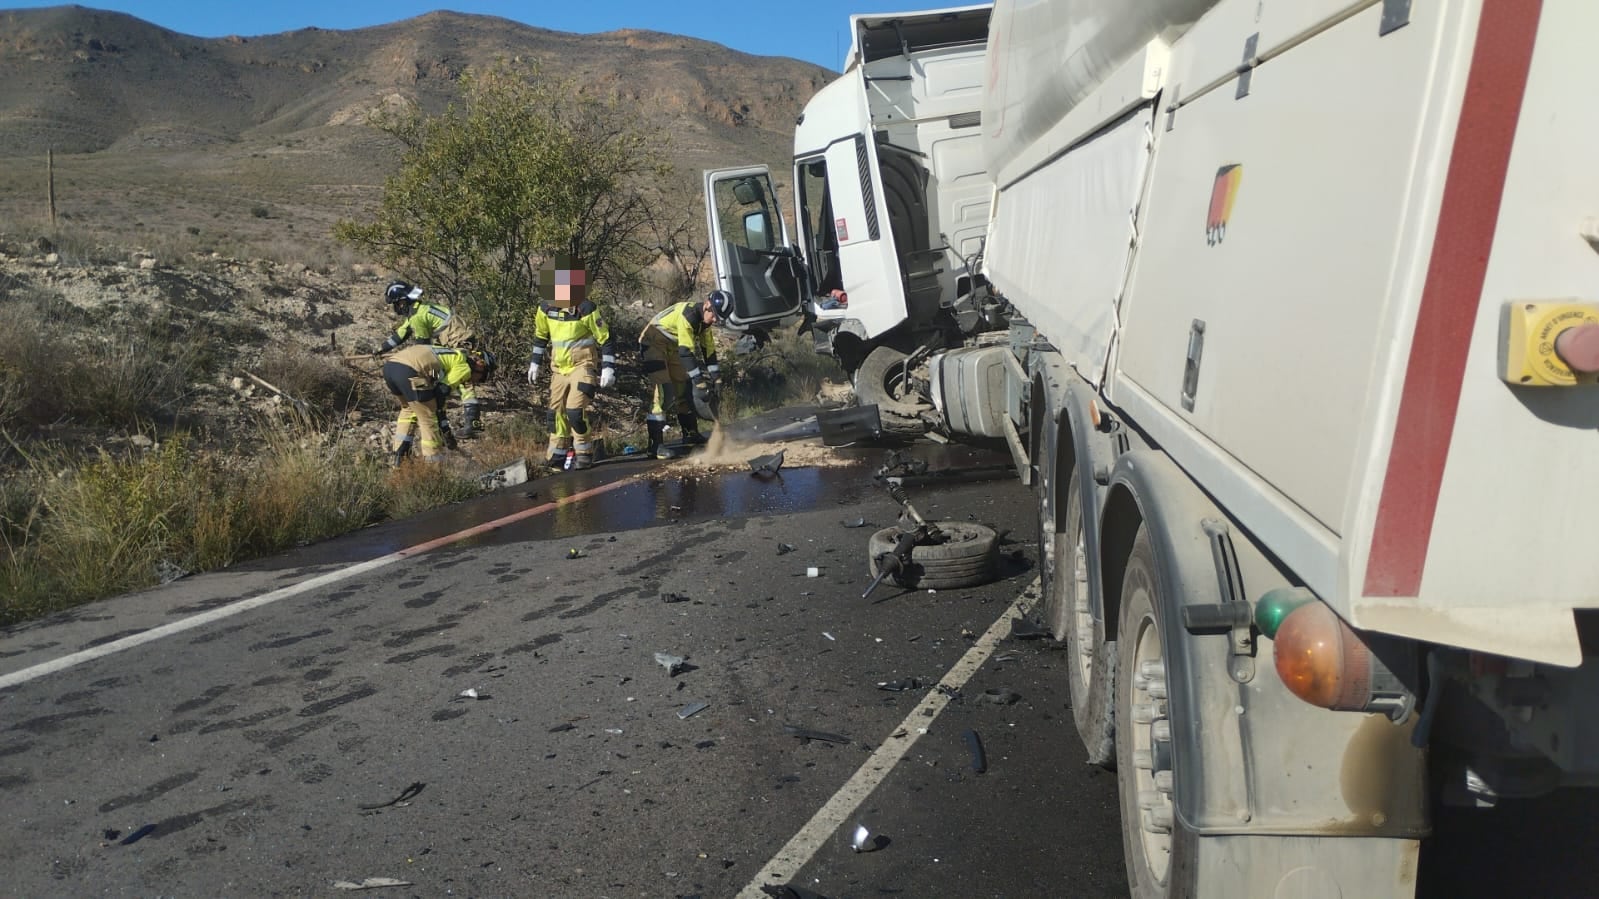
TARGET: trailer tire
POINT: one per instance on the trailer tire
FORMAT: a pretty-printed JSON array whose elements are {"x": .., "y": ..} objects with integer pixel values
[
  {"x": 1160, "y": 865},
  {"x": 1068, "y": 612},
  {"x": 879, "y": 382},
  {"x": 970, "y": 557}
]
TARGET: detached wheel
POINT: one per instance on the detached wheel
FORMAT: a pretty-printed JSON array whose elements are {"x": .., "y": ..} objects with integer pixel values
[
  {"x": 1158, "y": 850},
  {"x": 1090, "y": 661},
  {"x": 880, "y": 380},
  {"x": 969, "y": 557}
]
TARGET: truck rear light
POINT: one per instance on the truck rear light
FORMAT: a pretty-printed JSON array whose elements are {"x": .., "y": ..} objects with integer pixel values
[{"x": 1326, "y": 663}]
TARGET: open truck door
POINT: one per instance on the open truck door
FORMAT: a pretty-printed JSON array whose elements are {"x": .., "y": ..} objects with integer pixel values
[{"x": 750, "y": 248}]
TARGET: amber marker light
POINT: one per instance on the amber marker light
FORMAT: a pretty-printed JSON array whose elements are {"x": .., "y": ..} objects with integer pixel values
[{"x": 1321, "y": 660}]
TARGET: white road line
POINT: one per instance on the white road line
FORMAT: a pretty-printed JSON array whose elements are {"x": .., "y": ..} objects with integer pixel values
[
  {"x": 322, "y": 580},
  {"x": 816, "y": 832}
]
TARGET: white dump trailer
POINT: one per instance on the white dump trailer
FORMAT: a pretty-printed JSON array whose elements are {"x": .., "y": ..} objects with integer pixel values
[{"x": 1289, "y": 311}]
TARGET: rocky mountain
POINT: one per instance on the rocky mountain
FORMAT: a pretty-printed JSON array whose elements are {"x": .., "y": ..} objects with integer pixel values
[{"x": 259, "y": 140}]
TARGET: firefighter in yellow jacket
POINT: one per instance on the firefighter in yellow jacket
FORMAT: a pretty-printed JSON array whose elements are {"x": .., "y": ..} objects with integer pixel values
[
  {"x": 421, "y": 376},
  {"x": 570, "y": 336},
  {"x": 435, "y": 324},
  {"x": 674, "y": 343}
]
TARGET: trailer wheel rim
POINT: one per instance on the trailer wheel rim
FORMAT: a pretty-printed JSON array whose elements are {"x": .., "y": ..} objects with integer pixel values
[
  {"x": 1082, "y": 614},
  {"x": 1152, "y": 768}
]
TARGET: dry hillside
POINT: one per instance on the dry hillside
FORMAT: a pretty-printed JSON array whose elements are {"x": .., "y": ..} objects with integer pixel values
[{"x": 256, "y": 143}]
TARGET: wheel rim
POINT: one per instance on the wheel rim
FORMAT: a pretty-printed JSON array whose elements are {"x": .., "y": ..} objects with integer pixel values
[
  {"x": 1151, "y": 744},
  {"x": 1081, "y": 614}
]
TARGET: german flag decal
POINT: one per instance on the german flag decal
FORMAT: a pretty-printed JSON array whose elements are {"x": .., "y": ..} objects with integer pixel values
[{"x": 1222, "y": 194}]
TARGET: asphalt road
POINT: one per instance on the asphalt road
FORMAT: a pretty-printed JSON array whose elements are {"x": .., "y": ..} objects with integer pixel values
[
  {"x": 321, "y": 735},
  {"x": 288, "y": 725}
]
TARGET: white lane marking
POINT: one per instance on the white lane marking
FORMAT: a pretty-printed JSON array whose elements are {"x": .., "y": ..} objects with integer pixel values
[
  {"x": 816, "y": 832},
  {"x": 322, "y": 580}
]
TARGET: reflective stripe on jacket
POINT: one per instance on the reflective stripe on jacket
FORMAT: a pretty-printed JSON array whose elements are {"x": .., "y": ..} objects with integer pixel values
[
  {"x": 572, "y": 338},
  {"x": 692, "y": 336}
]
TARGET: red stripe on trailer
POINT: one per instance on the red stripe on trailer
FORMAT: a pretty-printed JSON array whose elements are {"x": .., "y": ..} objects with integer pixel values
[{"x": 1450, "y": 299}]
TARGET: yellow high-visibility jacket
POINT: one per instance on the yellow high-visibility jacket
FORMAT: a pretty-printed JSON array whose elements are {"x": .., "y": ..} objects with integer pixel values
[
  {"x": 444, "y": 365},
  {"x": 433, "y": 324},
  {"x": 572, "y": 338},
  {"x": 680, "y": 324}
]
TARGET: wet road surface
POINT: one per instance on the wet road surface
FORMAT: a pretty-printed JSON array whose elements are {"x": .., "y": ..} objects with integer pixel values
[
  {"x": 323, "y": 737},
  {"x": 263, "y": 753}
]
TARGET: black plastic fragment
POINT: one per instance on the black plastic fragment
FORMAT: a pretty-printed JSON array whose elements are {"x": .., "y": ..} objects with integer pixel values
[
  {"x": 974, "y": 743},
  {"x": 805, "y": 733}
]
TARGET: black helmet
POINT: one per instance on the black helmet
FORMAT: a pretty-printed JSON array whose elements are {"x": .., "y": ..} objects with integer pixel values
[
  {"x": 488, "y": 361},
  {"x": 401, "y": 294},
  {"x": 720, "y": 302}
]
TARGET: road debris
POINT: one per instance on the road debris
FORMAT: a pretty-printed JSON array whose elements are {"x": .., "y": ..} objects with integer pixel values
[
  {"x": 137, "y": 835},
  {"x": 1024, "y": 629},
  {"x": 857, "y": 523},
  {"x": 863, "y": 840},
  {"x": 829, "y": 636},
  {"x": 402, "y": 800},
  {"x": 805, "y": 733},
  {"x": 900, "y": 686},
  {"x": 371, "y": 883},
  {"x": 562, "y": 728},
  {"x": 974, "y": 743},
  {"x": 692, "y": 709},
  {"x": 784, "y": 549},
  {"x": 575, "y": 553},
  {"x": 1001, "y": 697},
  {"x": 673, "y": 664},
  {"x": 470, "y": 693},
  {"x": 813, "y": 571},
  {"x": 672, "y": 597},
  {"x": 766, "y": 466}
]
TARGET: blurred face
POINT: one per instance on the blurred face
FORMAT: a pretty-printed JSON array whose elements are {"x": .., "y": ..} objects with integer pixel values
[
  {"x": 563, "y": 281},
  {"x": 707, "y": 314}
]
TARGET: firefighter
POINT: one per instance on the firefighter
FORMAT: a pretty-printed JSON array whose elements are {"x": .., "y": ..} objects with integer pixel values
[
  {"x": 437, "y": 325},
  {"x": 572, "y": 338},
  {"x": 674, "y": 343},
  {"x": 421, "y": 376}
]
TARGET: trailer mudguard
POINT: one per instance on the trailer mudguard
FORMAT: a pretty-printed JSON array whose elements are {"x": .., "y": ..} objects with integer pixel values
[{"x": 1355, "y": 775}]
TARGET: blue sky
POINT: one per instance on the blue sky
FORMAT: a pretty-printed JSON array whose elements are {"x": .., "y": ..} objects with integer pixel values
[{"x": 813, "y": 30}]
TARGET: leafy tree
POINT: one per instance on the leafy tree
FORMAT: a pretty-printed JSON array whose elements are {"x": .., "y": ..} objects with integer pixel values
[{"x": 523, "y": 167}]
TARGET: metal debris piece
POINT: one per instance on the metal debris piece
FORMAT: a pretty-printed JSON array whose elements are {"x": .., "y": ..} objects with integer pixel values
[
  {"x": 1024, "y": 629},
  {"x": 766, "y": 466},
  {"x": 692, "y": 709},
  {"x": 471, "y": 693},
  {"x": 979, "y": 757},
  {"x": 671, "y": 663},
  {"x": 857, "y": 523},
  {"x": 371, "y": 883},
  {"x": 829, "y": 636},
  {"x": 901, "y": 685},
  {"x": 785, "y": 548},
  {"x": 406, "y": 795},
  {"x": 805, "y": 733},
  {"x": 863, "y": 841},
  {"x": 672, "y": 597}
]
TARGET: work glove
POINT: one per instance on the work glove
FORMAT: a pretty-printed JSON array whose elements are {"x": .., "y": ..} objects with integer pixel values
[
  {"x": 532, "y": 372},
  {"x": 607, "y": 377},
  {"x": 449, "y": 436}
]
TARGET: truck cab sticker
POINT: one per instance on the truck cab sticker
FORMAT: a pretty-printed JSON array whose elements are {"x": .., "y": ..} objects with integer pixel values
[
  {"x": 1222, "y": 194},
  {"x": 841, "y": 227}
]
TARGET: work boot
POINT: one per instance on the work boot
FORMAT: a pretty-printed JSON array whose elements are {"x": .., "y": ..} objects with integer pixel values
[
  {"x": 581, "y": 461},
  {"x": 557, "y": 459},
  {"x": 658, "y": 448},
  {"x": 691, "y": 430},
  {"x": 471, "y": 425}
]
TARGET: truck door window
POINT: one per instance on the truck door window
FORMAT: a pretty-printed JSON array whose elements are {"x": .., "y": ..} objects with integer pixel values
[
  {"x": 816, "y": 224},
  {"x": 746, "y": 214}
]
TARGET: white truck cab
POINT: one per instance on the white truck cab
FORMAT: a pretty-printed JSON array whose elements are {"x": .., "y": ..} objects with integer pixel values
[{"x": 891, "y": 201}]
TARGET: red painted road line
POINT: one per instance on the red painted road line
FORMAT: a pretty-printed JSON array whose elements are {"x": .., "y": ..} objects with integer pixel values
[{"x": 244, "y": 605}]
